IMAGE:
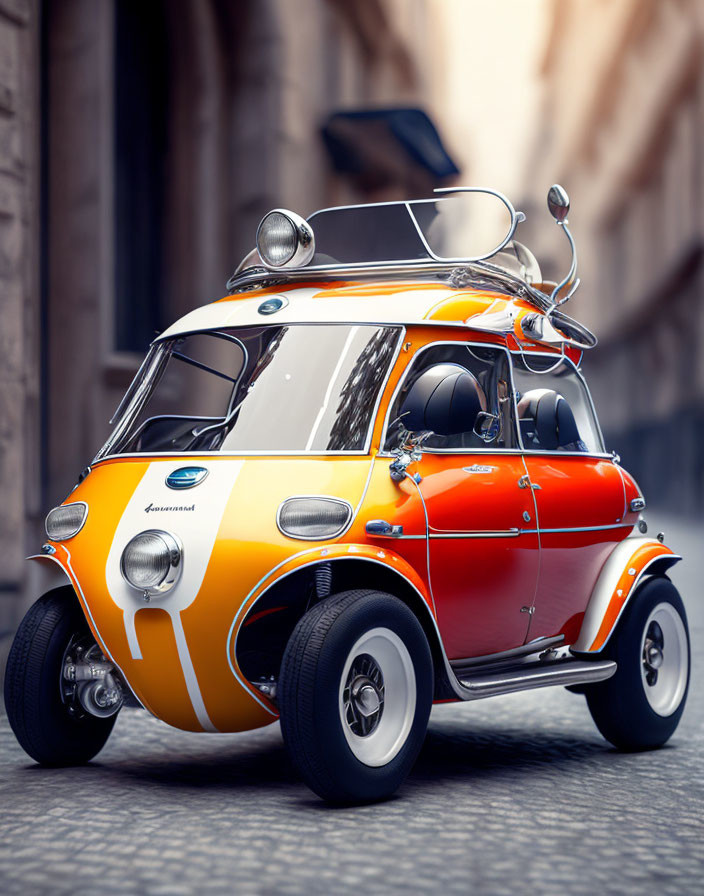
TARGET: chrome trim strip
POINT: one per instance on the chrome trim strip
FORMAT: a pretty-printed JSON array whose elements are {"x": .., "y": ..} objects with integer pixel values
[
  {"x": 480, "y": 533},
  {"x": 427, "y": 548},
  {"x": 578, "y": 529},
  {"x": 524, "y": 650}
]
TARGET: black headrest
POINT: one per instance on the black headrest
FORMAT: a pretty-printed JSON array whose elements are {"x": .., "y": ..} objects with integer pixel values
[
  {"x": 445, "y": 398},
  {"x": 554, "y": 422}
]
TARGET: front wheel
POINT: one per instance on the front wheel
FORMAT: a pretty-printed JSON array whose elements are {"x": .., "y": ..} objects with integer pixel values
[
  {"x": 355, "y": 695},
  {"x": 640, "y": 706},
  {"x": 51, "y": 724}
]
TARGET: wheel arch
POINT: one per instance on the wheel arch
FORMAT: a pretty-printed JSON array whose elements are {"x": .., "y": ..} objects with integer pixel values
[
  {"x": 49, "y": 573},
  {"x": 273, "y": 615},
  {"x": 630, "y": 564}
]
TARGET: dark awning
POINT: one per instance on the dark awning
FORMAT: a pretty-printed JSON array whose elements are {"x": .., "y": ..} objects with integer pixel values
[{"x": 382, "y": 145}]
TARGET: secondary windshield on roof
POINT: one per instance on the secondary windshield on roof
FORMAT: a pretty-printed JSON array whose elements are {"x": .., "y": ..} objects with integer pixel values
[{"x": 458, "y": 227}]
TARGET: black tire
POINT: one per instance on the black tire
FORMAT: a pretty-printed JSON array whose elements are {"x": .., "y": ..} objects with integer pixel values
[
  {"x": 310, "y": 695},
  {"x": 36, "y": 712},
  {"x": 620, "y": 706}
]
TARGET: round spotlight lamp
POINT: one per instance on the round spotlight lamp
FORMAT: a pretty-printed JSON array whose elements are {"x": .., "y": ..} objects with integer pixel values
[
  {"x": 285, "y": 239},
  {"x": 151, "y": 562}
]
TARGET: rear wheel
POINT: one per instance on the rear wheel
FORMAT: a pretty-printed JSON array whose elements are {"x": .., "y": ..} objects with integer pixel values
[
  {"x": 641, "y": 705},
  {"x": 50, "y": 723},
  {"x": 355, "y": 696}
]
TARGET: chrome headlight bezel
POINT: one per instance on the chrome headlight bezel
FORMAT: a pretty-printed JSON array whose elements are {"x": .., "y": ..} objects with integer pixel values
[
  {"x": 173, "y": 553},
  {"x": 336, "y": 528},
  {"x": 70, "y": 531},
  {"x": 302, "y": 247}
]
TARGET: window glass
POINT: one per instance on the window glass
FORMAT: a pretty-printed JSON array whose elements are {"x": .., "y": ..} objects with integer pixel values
[
  {"x": 554, "y": 409},
  {"x": 490, "y": 367},
  {"x": 295, "y": 388}
]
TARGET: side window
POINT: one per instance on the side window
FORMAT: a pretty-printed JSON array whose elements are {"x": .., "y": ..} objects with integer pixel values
[
  {"x": 554, "y": 409},
  {"x": 490, "y": 367}
]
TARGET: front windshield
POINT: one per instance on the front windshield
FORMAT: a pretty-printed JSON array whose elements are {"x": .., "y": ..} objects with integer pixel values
[{"x": 298, "y": 389}]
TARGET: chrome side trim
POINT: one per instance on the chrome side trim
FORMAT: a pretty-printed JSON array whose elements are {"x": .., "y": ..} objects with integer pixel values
[
  {"x": 580, "y": 529},
  {"x": 503, "y": 533},
  {"x": 524, "y": 650}
]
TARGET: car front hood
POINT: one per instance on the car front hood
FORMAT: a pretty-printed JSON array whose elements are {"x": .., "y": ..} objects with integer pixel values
[{"x": 173, "y": 649}]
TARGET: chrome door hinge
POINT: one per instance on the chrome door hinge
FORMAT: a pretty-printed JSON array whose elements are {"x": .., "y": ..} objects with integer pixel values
[
  {"x": 528, "y": 610},
  {"x": 524, "y": 482}
]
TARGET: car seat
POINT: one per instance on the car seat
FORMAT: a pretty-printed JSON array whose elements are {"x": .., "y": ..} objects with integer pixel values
[{"x": 547, "y": 421}]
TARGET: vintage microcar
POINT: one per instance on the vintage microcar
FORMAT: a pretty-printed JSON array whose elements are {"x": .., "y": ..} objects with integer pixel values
[{"x": 369, "y": 479}]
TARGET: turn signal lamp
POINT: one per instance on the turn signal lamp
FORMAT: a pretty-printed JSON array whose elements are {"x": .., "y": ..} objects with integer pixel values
[
  {"x": 313, "y": 518},
  {"x": 66, "y": 521}
]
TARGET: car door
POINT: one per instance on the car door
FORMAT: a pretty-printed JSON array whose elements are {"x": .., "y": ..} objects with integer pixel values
[
  {"x": 578, "y": 490},
  {"x": 483, "y": 564}
]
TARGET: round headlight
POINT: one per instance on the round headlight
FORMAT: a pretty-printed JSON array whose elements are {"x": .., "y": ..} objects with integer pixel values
[
  {"x": 313, "y": 518},
  {"x": 66, "y": 521},
  {"x": 151, "y": 561},
  {"x": 285, "y": 239}
]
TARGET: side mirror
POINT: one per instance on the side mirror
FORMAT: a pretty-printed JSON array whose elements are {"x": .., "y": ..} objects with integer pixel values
[
  {"x": 445, "y": 399},
  {"x": 558, "y": 203}
]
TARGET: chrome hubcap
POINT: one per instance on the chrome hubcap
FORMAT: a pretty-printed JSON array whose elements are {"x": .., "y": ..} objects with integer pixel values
[
  {"x": 363, "y": 696},
  {"x": 377, "y": 697},
  {"x": 664, "y": 659},
  {"x": 653, "y": 652}
]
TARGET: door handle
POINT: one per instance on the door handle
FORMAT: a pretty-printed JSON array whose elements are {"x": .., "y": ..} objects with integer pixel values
[
  {"x": 381, "y": 527},
  {"x": 524, "y": 482}
]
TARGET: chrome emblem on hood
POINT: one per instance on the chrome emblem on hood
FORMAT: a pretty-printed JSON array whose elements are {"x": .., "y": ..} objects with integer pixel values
[{"x": 186, "y": 477}]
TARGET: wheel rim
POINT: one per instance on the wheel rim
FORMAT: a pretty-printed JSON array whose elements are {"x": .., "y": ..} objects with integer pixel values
[
  {"x": 377, "y": 698},
  {"x": 664, "y": 659}
]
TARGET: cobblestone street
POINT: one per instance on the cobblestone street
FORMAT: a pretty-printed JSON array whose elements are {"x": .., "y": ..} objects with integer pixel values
[{"x": 510, "y": 795}]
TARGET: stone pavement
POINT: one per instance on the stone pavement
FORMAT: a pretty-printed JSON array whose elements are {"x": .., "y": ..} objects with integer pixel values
[{"x": 510, "y": 795}]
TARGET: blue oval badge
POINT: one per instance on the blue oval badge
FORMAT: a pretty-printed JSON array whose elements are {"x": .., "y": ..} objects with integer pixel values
[
  {"x": 271, "y": 306},
  {"x": 186, "y": 477}
]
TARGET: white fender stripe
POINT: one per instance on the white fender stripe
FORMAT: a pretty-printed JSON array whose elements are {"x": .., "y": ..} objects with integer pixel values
[{"x": 197, "y": 528}]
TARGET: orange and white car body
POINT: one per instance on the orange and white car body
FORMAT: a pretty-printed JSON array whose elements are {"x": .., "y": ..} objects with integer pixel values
[{"x": 492, "y": 548}]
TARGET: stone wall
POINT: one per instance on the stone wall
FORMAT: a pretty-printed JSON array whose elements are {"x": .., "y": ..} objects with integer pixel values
[{"x": 20, "y": 434}]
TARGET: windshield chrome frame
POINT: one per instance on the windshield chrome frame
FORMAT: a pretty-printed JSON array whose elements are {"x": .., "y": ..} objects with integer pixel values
[
  {"x": 516, "y": 218},
  {"x": 162, "y": 353}
]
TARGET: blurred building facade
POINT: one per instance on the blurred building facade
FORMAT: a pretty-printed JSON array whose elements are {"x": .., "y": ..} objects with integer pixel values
[
  {"x": 140, "y": 144},
  {"x": 623, "y": 130}
]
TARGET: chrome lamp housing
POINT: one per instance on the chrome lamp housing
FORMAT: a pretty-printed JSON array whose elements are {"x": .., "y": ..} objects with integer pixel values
[
  {"x": 151, "y": 562},
  {"x": 285, "y": 239}
]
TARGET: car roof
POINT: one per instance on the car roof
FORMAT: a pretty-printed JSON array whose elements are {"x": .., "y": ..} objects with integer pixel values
[{"x": 374, "y": 302}]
